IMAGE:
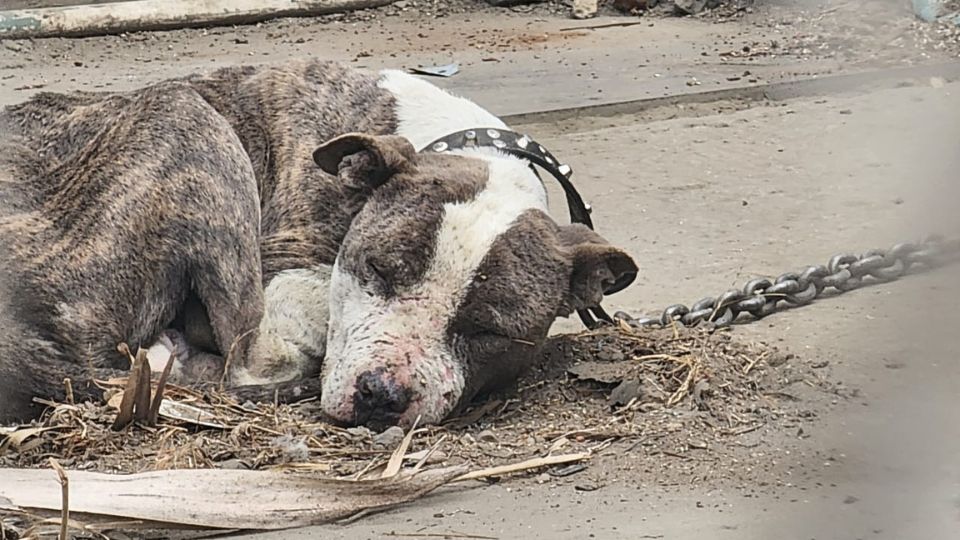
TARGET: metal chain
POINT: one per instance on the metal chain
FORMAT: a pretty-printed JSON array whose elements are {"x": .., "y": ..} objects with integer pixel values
[{"x": 845, "y": 272}]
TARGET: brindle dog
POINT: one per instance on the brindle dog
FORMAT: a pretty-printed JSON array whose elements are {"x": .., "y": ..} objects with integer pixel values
[{"x": 281, "y": 216}]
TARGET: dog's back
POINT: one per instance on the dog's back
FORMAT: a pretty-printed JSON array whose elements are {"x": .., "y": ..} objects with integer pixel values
[
  {"x": 116, "y": 208},
  {"x": 119, "y": 208}
]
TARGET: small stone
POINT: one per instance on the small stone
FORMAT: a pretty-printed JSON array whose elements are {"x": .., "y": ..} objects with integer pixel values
[
  {"x": 13, "y": 46},
  {"x": 584, "y": 9},
  {"x": 390, "y": 438},
  {"x": 510, "y": 3},
  {"x": 611, "y": 355},
  {"x": 360, "y": 433},
  {"x": 629, "y": 6},
  {"x": 292, "y": 449},
  {"x": 232, "y": 464},
  {"x": 937, "y": 82},
  {"x": 487, "y": 436},
  {"x": 402, "y": 4},
  {"x": 692, "y": 7},
  {"x": 626, "y": 391}
]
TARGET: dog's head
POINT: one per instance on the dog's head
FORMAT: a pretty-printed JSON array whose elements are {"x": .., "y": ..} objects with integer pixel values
[{"x": 448, "y": 279}]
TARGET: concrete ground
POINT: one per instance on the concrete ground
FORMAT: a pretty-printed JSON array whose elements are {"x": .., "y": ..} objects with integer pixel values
[{"x": 705, "y": 197}]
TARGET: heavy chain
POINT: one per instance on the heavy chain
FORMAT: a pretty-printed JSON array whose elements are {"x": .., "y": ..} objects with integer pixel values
[{"x": 845, "y": 272}]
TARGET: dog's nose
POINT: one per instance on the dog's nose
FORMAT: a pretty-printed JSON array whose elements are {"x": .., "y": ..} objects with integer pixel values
[{"x": 379, "y": 401}]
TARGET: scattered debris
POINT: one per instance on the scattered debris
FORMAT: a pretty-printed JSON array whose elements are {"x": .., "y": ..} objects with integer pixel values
[
  {"x": 577, "y": 393},
  {"x": 604, "y": 25},
  {"x": 511, "y": 3},
  {"x": 568, "y": 470},
  {"x": 634, "y": 6},
  {"x": 292, "y": 449},
  {"x": 34, "y": 86},
  {"x": 929, "y": 10},
  {"x": 693, "y": 7},
  {"x": 665, "y": 391},
  {"x": 584, "y": 9},
  {"x": 214, "y": 499},
  {"x": 448, "y": 70},
  {"x": 390, "y": 438}
]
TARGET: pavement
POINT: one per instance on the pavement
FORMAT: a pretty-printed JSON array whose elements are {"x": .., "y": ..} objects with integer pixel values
[{"x": 705, "y": 195}]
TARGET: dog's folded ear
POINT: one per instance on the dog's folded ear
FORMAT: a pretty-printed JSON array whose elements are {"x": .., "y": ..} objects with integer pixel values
[
  {"x": 597, "y": 269},
  {"x": 367, "y": 160}
]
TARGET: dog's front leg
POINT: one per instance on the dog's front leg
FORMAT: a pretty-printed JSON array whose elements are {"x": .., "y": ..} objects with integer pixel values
[{"x": 291, "y": 339}]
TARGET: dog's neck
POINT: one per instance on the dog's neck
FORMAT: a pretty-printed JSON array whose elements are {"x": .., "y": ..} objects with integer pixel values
[{"x": 426, "y": 113}]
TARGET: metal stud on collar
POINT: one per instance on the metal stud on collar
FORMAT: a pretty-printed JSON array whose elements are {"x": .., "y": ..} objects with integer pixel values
[{"x": 522, "y": 146}]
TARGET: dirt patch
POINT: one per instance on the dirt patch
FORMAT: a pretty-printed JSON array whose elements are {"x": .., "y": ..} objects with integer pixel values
[{"x": 657, "y": 392}]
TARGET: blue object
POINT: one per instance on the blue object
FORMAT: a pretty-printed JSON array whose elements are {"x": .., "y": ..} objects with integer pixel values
[
  {"x": 13, "y": 22},
  {"x": 928, "y": 10}
]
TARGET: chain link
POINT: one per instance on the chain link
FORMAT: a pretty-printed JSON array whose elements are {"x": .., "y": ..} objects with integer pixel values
[{"x": 844, "y": 272}]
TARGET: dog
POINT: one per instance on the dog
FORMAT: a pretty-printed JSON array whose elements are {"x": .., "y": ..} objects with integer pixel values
[{"x": 276, "y": 222}]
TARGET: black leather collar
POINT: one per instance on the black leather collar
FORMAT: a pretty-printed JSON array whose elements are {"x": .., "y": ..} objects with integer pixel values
[{"x": 526, "y": 148}]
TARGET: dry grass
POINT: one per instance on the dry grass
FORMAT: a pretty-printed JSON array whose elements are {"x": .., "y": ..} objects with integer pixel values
[{"x": 673, "y": 386}]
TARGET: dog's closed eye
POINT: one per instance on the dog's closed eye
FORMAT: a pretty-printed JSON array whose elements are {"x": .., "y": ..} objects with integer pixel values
[{"x": 379, "y": 271}]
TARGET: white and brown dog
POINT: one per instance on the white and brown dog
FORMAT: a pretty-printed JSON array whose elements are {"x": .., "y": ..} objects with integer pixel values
[{"x": 287, "y": 216}]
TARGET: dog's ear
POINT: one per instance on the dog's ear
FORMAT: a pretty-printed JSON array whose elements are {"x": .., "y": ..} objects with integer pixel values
[
  {"x": 365, "y": 160},
  {"x": 597, "y": 268}
]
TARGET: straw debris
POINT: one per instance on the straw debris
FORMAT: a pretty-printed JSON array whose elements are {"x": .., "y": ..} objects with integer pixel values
[{"x": 662, "y": 392}]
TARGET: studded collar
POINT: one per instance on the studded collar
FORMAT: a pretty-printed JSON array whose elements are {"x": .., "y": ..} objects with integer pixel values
[{"x": 523, "y": 147}]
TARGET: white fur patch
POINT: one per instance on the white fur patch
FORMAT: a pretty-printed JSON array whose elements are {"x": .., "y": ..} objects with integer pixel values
[
  {"x": 427, "y": 112},
  {"x": 296, "y": 307},
  {"x": 469, "y": 228},
  {"x": 158, "y": 355},
  {"x": 293, "y": 329}
]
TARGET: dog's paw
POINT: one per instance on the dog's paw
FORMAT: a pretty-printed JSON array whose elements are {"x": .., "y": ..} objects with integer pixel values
[
  {"x": 190, "y": 365},
  {"x": 170, "y": 343}
]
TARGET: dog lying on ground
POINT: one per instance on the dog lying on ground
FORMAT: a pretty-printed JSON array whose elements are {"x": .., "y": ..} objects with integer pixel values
[{"x": 279, "y": 222}]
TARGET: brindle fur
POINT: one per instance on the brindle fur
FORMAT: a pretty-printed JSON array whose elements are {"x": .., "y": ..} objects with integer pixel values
[{"x": 119, "y": 207}]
